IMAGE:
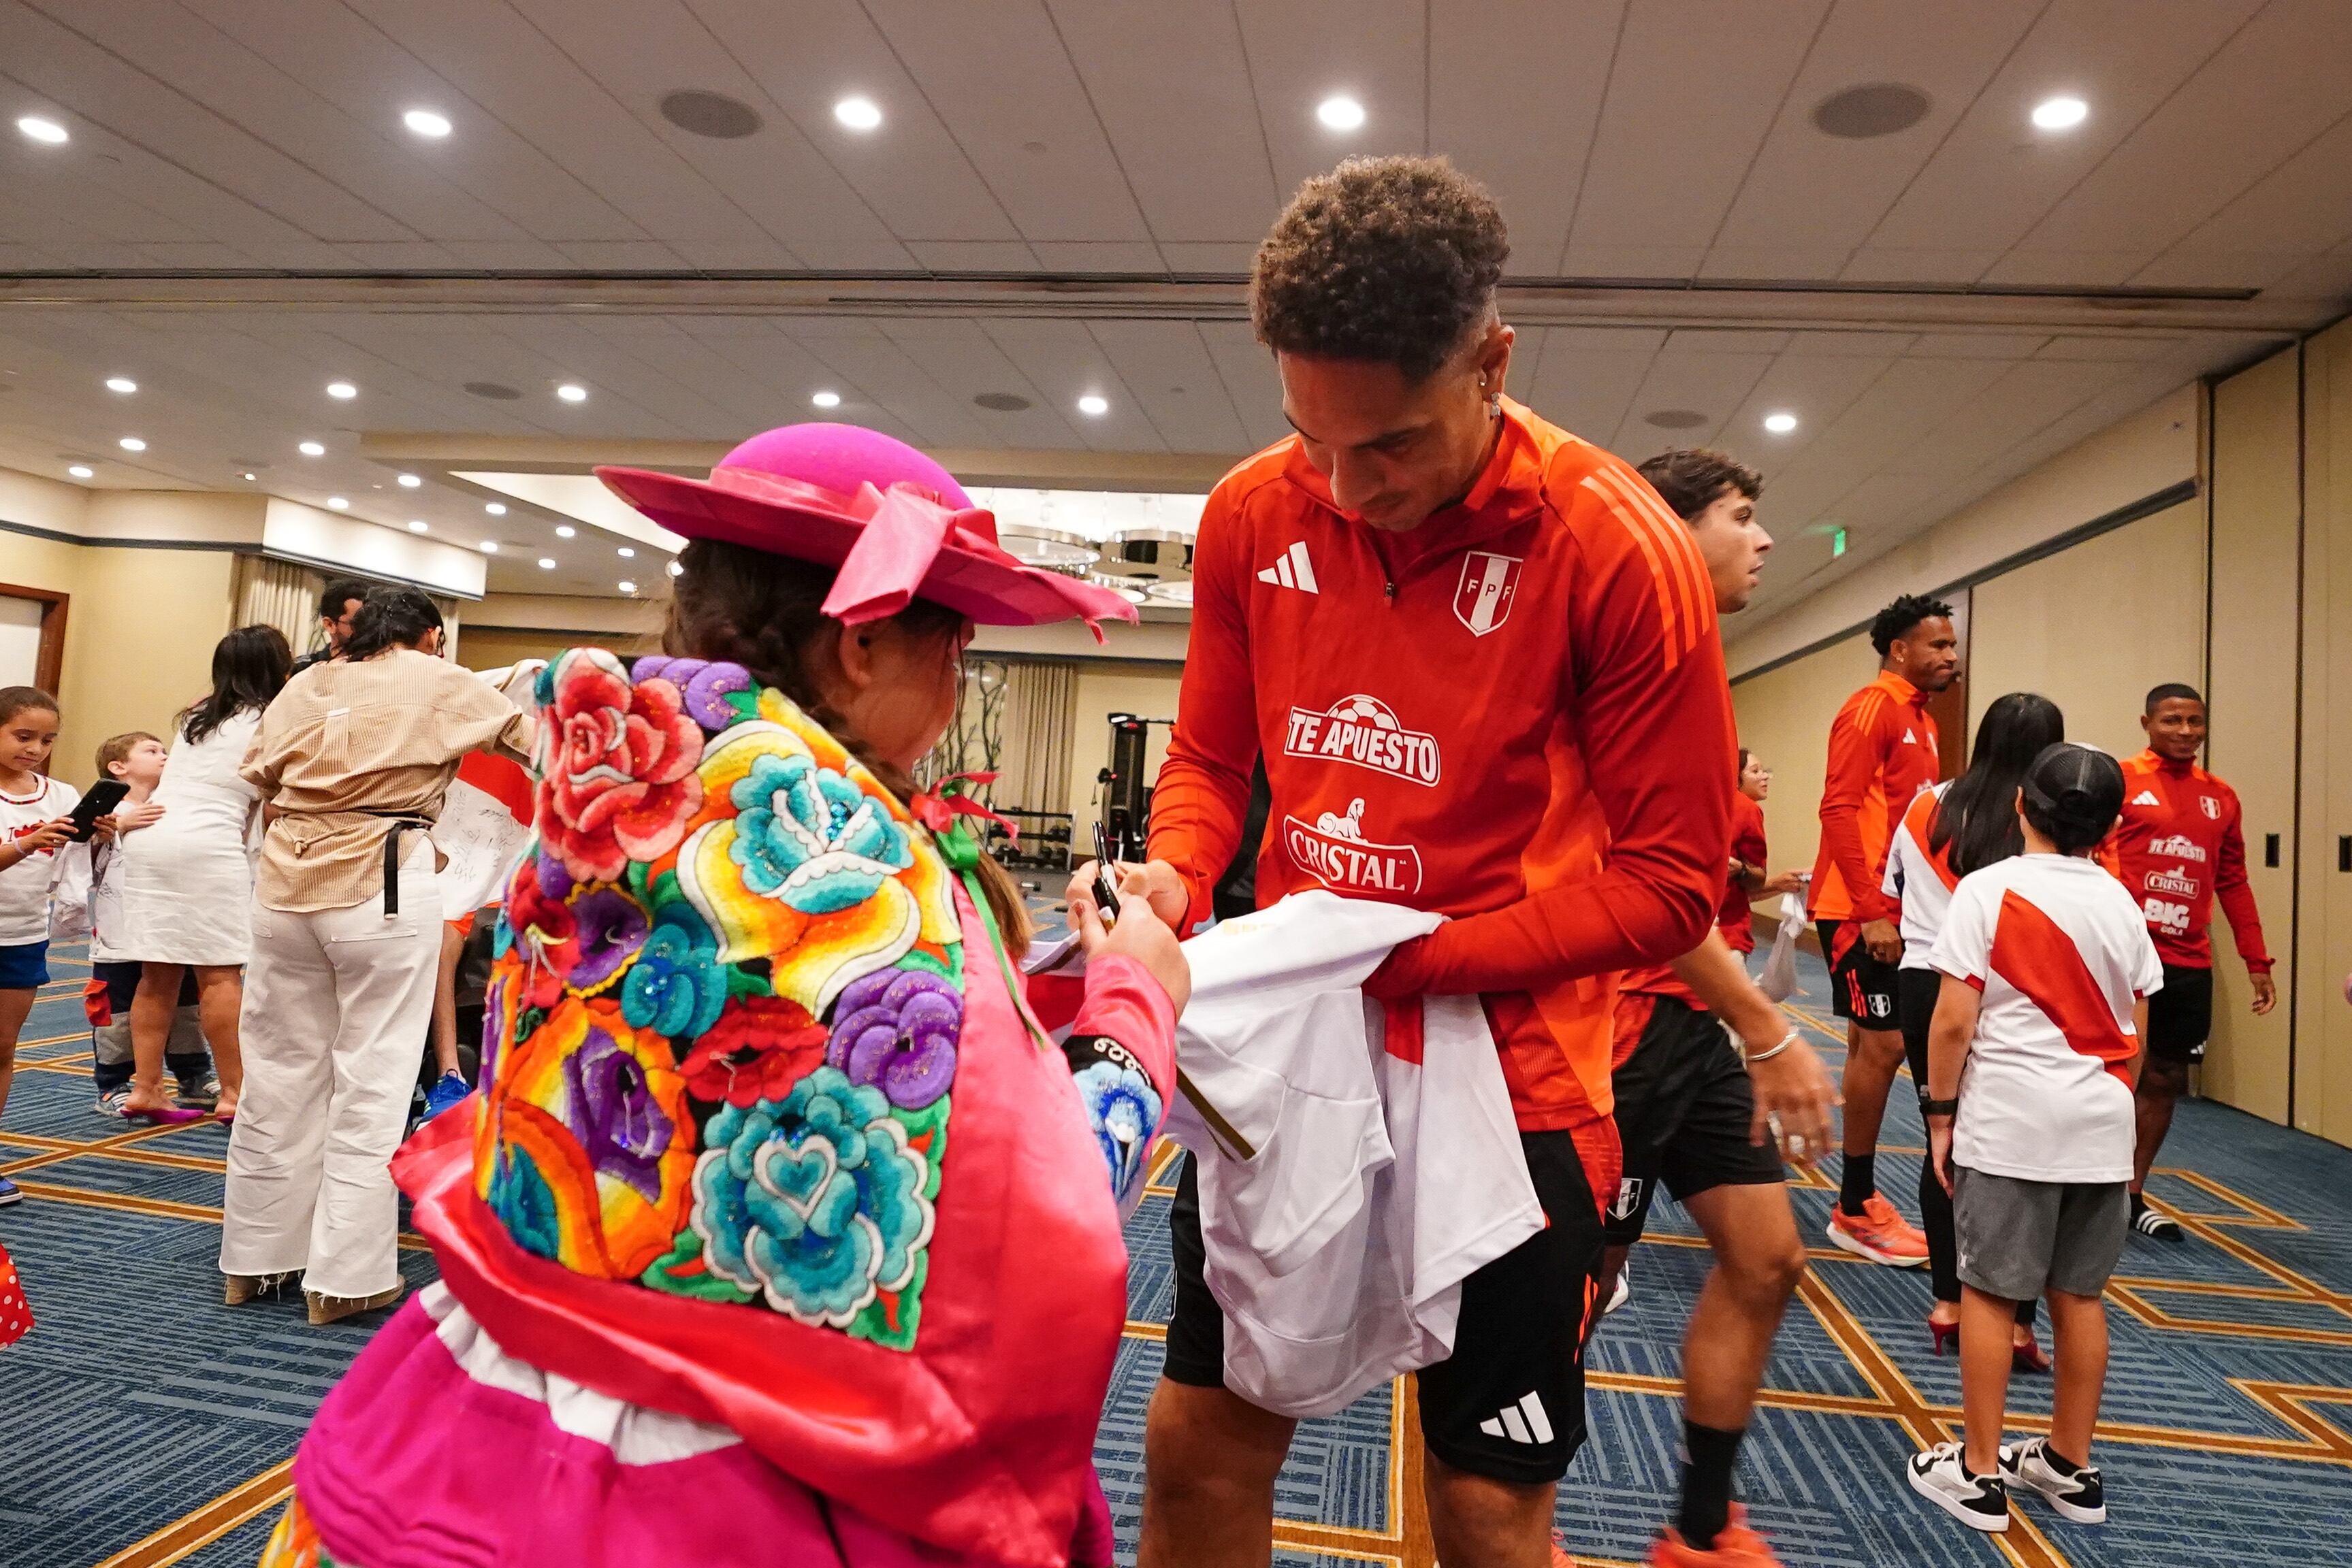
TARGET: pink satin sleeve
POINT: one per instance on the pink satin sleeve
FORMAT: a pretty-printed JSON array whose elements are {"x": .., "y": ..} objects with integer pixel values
[{"x": 1125, "y": 1003}]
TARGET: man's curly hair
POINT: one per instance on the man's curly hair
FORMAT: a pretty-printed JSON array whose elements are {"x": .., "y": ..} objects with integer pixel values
[
  {"x": 1895, "y": 622},
  {"x": 1393, "y": 260}
]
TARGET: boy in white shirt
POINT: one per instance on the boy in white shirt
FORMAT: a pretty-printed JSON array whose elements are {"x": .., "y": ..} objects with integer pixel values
[{"x": 2047, "y": 967}]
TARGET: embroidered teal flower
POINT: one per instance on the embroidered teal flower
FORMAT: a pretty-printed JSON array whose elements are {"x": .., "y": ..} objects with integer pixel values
[
  {"x": 677, "y": 985},
  {"x": 808, "y": 837},
  {"x": 816, "y": 1204},
  {"x": 525, "y": 1204}
]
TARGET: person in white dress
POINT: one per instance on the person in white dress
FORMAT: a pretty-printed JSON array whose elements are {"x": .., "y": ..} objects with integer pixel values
[{"x": 188, "y": 880}]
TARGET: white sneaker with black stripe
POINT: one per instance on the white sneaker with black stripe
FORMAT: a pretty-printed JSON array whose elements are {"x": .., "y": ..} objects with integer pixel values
[
  {"x": 2149, "y": 1221},
  {"x": 1941, "y": 1476},
  {"x": 2079, "y": 1495},
  {"x": 1524, "y": 1421}
]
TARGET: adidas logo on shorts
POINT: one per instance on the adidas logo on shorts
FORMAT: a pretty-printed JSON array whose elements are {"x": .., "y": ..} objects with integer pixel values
[{"x": 1524, "y": 1422}]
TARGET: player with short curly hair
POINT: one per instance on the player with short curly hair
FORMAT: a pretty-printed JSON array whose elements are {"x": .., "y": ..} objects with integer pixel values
[{"x": 1400, "y": 606}]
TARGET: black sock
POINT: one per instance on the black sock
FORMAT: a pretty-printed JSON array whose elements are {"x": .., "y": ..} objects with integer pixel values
[
  {"x": 2139, "y": 1206},
  {"x": 1707, "y": 1482},
  {"x": 1860, "y": 1180}
]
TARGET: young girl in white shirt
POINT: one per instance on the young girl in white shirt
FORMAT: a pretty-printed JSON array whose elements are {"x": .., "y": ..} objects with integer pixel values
[
  {"x": 2047, "y": 967},
  {"x": 33, "y": 826}
]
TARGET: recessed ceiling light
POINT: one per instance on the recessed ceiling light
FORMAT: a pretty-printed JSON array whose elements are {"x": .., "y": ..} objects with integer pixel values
[
  {"x": 627, "y": 587},
  {"x": 311, "y": 449},
  {"x": 342, "y": 390},
  {"x": 1340, "y": 113},
  {"x": 336, "y": 503},
  {"x": 489, "y": 547},
  {"x": 858, "y": 113},
  {"x": 40, "y": 129},
  {"x": 81, "y": 471},
  {"x": 676, "y": 569},
  {"x": 131, "y": 443},
  {"x": 416, "y": 528},
  {"x": 424, "y": 122},
  {"x": 495, "y": 509},
  {"x": 572, "y": 391},
  {"x": 1779, "y": 423},
  {"x": 1093, "y": 407},
  {"x": 547, "y": 562},
  {"x": 627, "y": 554},
  {"x": 2061, "y": 113},
  {"x": 827, "y": 400},
  {"x": 565, "y": 531},
  {"x": 120, "y": 384},
  {"x": 248, "y": 476},
  {"x": 409, "y": 481}
]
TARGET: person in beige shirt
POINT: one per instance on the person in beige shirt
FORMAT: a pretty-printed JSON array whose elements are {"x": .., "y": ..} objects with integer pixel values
[{"x": 352, "y": 762}]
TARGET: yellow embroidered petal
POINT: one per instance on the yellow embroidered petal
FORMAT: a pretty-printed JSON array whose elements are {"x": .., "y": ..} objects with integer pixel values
[{"x": 838, "y": 948}]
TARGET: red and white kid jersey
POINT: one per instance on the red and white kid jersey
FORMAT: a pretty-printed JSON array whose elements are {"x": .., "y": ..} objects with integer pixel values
[
  {"x": 2060, "y": 954},
  {"x": 25, "y": 886},
  {"x": 1919, "y": 878},
  {"x": 2178, "y": 846}
]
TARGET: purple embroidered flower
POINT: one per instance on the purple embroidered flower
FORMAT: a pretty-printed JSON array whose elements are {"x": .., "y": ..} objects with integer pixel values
[
  {"x": 612, "y": 1111},
  {"x": 705, "y": 687},
  {"x": 897, "y": 1029},
  {"x": 611, "y": 929}
]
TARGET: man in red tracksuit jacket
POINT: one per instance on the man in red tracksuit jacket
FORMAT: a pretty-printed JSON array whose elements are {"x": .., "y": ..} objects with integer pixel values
[
  {"x": 2179, "y": 845},
  {"x": 1478, "y": 657}
]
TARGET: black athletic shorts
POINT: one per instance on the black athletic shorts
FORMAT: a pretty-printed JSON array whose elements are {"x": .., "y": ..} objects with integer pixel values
[
  {"x": 2181, "y": 1016},
  {"x": 1509, "y": 1402},
  {"x": 1861, "y": 989},
  {"x": 1684, "y": 1106}
]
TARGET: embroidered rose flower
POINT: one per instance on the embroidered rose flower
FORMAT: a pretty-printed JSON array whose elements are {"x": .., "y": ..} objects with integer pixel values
[
  {"x": 807, "y": 837},
  {"x": 609, "y": 928},
  {"x": 616, "y": 762},
  {"x": 1122, "y": 1110},
  {"x": 539, "y": 912},
  {"x": 759, "y": 1049},
  {"x": 816, "y": 1204},
  {"x": 676, "y": 986},
  {"x": 704, "y": 687},
  {"x": 897, "y": 1029}
]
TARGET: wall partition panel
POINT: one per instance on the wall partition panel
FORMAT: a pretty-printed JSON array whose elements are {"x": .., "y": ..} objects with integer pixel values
[{"x": 2323, "y": 1055}]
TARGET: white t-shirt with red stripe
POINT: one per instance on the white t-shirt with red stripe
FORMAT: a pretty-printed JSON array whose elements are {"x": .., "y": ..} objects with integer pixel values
[
  {"x": 2061, "y": 953},
  {"x": 25, "y": 885},
  {"x": 1919, "y": 878}
]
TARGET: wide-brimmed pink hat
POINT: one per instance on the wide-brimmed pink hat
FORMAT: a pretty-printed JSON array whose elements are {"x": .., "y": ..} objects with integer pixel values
[{"x": 896, "y": 524}]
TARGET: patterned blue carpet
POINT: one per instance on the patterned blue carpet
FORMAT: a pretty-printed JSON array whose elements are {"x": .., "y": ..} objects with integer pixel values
[{"x": 143, "y": 1423}]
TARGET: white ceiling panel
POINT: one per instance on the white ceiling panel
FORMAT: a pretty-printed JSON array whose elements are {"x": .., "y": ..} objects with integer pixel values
[
  {"x": 1063, "y": 363},
  {"x": 1167, "y": 368},
  {"x": 1302, "y": 52}
]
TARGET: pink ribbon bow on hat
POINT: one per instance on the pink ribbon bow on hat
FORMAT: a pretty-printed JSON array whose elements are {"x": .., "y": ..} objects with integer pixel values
[{"x": 905, "y": 530}]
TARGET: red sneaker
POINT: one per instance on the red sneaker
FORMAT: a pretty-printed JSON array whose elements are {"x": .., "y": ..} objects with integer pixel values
[
  {"x": 1735, "y": 1546},
  {"x": 1880, "y": 1235}
]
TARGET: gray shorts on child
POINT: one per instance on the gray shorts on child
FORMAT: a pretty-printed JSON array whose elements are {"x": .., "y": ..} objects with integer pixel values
[{"x": 2018, "y": 1239}]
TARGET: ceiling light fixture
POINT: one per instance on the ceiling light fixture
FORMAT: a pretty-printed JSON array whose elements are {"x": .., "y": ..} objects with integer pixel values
[
  {"x": 547, "y": 564},
  {"x": 311, "y": 449},
  {"x": 1094, "y": 406},
  {"x": 2061, "y": 113},
  {"x": 248, "y": 477},
  {"x": 424, "y": 122},
  {"x": 120, "y": 384},
  {"x": 40, "y": 129},
  {"x": 343, "y": 390},
  {"x": 858, "y": 113},
  {"x": 572, "y": 391},
  {"x": 81, "y": 471},
  {"x": 409, "y": 481},
  {"x": 676, "y": 569},
  {"x": 1340, "y": 113},
  {"x": 337, "y": 504},
  {"x": 827, "y": 400},
  {"x": 489, "y": 547},
  {"x": 565, "y": 531},
  {"x": 1779, "y": 423},
  {"x": 415, "y": 527},
  {"x": 495, "y": 509},
  {"x": 627, "y": 587},
  {"x": 627, "y": 554},
  {"x": 131, "y": 443}
]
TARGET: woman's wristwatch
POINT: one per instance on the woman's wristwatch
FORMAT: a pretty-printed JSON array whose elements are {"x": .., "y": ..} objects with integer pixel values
[{"x": 1939, "y": 1107}]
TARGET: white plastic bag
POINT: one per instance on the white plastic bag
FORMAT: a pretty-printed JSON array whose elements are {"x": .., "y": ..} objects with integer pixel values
[{"x": 1779, "y": 981}]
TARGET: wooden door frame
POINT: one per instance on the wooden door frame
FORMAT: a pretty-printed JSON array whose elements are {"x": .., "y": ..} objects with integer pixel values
[{"x": 49, "y": 659}]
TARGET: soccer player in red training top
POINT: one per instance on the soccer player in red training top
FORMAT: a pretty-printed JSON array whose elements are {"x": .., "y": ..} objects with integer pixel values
[
  {"x": 1882, "y": 752},
  {"x": 1478, "y": 656},
  {"x": 2178, "y": 844}
]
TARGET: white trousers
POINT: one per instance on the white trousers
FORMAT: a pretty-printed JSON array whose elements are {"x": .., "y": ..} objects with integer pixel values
[{"x": 338, "y": 1006}]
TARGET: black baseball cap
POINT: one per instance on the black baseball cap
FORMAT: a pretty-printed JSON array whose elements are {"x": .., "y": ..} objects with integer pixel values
[{"x": 2076, "y": 786}]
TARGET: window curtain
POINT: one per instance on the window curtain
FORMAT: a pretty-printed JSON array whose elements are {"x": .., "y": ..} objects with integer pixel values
[
  {"x": 1014, "y": 719},
  {"x": 284, "y": 594}
]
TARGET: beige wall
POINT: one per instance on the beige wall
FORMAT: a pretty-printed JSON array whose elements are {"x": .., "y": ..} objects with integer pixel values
[
  {"x": 2323, "y": 1025},
  {"x": 2135, "y": 458},
  {"x": 2094, "y": 627},
  {"x": 1784, "y": 717},
  {"x": 2251, "y": 659},
  {"x": 1106, "y": 689}
]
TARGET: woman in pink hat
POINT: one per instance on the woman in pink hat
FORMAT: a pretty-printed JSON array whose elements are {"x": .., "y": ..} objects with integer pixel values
[{"x": 779, "y": 1231}]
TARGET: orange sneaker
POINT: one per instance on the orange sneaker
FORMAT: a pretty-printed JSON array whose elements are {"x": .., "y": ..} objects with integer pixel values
[
  {"x": 1880, "y": 1235},
  {"x": 1735, "y": 1546}
]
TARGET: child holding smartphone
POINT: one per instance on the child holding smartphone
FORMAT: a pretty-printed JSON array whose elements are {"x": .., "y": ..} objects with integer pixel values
[
  {"x": 34, "y": 808},
  {"x": 2047, "y": 967}
]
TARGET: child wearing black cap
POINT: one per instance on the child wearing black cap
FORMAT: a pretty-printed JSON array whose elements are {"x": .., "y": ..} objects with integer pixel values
[{"x": 2047, "y": 969}]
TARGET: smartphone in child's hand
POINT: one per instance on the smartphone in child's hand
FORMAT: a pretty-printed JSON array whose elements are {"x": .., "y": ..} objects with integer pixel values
[{"x": 103, "y": 798}]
